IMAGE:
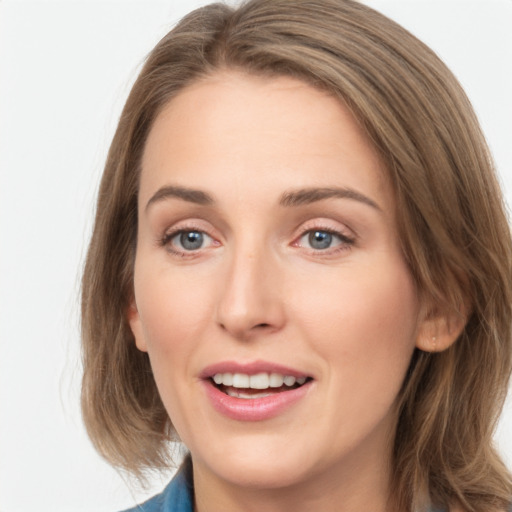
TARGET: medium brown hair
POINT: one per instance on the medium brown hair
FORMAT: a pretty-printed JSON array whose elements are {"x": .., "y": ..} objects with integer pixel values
[{"x": 452, "y": 224}]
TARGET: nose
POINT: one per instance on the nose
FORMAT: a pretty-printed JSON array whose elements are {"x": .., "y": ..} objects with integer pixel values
[{"x": 250, "y": 302}]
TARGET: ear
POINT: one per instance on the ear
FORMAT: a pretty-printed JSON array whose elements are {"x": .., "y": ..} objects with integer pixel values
[
  {"x": 439, "y": 330},
  {"x": 136, "y": 326}
]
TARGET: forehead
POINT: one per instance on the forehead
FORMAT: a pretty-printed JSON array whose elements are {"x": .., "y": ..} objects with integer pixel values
[{"x": 244, "y": 127}]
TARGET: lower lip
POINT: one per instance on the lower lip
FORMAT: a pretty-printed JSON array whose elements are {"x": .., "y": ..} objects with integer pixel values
[{"x": 254, "y": 409}]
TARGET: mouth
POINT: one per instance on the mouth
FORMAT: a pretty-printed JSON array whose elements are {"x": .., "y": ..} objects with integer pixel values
[
  {"x": 259, "y": 385},
  {"x": 255, "y": 391}
]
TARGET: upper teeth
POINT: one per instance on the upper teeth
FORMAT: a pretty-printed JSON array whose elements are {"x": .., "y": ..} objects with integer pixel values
[{"x": 259, "y": 381}]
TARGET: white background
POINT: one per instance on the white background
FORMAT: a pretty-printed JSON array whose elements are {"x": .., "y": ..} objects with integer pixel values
[{"x": 65, "y": 70}]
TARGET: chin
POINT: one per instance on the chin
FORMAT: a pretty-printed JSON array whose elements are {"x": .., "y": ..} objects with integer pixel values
[
  {"x": 256, "y": 463},
  {"x": 259, "y": 475}
]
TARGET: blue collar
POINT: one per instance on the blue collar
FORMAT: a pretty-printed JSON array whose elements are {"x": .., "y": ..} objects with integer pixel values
[{"x": 178, "y": 496}]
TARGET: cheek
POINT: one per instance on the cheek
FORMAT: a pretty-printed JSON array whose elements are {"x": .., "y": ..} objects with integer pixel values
[
  {"x": 173, "y": 308},
  {"x": 366, "y": 317},
  {"x": 363, "y": 328}
]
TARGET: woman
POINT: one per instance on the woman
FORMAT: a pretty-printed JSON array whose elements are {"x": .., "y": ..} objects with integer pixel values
[{"x": 300, "y": 268}]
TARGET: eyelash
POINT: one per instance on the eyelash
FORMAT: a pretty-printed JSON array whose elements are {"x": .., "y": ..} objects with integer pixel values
[
  {"x": 167, "y": 238},
  {"x": 345, "y": 242}
]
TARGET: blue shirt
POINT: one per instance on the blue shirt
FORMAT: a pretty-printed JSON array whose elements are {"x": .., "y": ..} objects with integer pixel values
[{"x": 178, "y": 496}]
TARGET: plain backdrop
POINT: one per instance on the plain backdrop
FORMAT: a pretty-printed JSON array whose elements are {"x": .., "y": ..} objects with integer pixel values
[{"x": 65, "y": 70}]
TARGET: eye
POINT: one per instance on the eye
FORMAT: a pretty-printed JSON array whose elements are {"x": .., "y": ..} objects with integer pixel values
[
  {"x": 322, "y": 240},
  {"x": 187, "y": 240},
  {"x": 319, "y": 239}
]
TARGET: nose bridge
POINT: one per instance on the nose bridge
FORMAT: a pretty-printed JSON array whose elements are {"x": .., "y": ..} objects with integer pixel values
[{"x": 249, "y": 302}]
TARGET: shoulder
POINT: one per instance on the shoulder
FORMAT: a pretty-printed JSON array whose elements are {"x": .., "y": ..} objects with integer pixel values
[{"x": 176, "y": 497}]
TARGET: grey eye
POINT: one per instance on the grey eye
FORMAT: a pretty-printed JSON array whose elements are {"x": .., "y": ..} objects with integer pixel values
[
  {"x": 189, "y": 240},
  {"x": 320, "y": 239}
]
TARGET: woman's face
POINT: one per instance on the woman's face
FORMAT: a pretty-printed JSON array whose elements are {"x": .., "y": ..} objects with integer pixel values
[{"x": 270, "y": 290}]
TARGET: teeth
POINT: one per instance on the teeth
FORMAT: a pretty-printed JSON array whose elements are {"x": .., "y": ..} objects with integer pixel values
[
  {"x": 276, "y": 380},
  {"x": 241, "y": 394},
  {"x": 240, "y": 380},
  {"x": 259, "y": 381},
  {"x": 289, "y": 380}
]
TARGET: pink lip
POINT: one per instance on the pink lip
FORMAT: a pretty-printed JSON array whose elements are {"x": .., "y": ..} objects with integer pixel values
[
  {"x": 254, "y": 409},
  {"x": 249, "y": 368}
]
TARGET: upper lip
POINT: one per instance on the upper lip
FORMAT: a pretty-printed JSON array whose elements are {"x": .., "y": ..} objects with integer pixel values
[{"x": 250, "y": 368}]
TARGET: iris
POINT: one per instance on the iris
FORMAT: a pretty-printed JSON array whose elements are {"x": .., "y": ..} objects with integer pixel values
[
  {"x": 320, "y": 239},
  {"x": 191, "y": 240}
]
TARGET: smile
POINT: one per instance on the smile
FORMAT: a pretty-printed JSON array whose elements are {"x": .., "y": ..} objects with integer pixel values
[
  {"x": 251, "y": 387},
  {"x": 253, "y": 395}
]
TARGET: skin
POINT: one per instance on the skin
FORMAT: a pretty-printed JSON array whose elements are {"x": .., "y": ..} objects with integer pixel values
[{"x": 348, "y": 316}]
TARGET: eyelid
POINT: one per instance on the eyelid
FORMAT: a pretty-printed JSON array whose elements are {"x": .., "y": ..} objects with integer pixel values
[
  {"x": 346, "y": 236},
  {"x": 326, "y": 224},
  {"x": 343, "y": 238},
  {"x": 188, "y": 225},
  {"x": 176, "y": 235}
]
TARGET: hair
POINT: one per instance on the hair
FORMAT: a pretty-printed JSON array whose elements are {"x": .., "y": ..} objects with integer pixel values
[{"x": 452, "y": 224}]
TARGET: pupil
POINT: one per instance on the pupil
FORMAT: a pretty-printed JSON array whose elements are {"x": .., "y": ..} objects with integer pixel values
[
  {"x": 320, "y": 239},
  {"x": 191, "y": 240}
]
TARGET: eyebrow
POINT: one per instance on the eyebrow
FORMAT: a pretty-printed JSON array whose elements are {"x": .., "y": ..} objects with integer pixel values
[
  {"x": 186, "y": 194},
  {"x": 288, "y": 199},
  {"x": 312, "y": 195}
]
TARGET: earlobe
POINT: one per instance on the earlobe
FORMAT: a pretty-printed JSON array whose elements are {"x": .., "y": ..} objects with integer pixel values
[
  {"x": 439, "y": 331},
  {"x": 136, "y": 326}
]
